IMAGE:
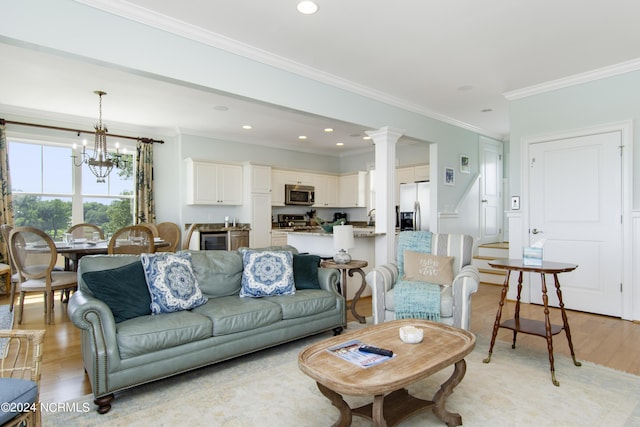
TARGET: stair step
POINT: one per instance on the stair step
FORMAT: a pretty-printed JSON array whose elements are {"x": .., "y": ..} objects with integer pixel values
[
  {"x": 496, "y": 245},
  {"x": 491, "y": 277},
  {"x": 493, "y": 253}
]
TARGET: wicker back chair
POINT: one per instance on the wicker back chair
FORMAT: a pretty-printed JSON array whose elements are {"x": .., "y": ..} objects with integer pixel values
[
  {"x": 20, "y": 372},
  {"x": 170, "y": 233},
  {"x": 133, "y": 239}
]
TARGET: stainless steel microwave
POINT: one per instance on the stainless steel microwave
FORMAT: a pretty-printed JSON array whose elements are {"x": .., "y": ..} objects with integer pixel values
[{"x": 303, "y": 195}]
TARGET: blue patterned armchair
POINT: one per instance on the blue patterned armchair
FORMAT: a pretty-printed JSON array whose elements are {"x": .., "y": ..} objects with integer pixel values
[{"x": 455, "y": 300}]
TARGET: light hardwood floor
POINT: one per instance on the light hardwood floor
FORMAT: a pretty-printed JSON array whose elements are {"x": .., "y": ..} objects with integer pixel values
[{"x": 599, "y": 339}]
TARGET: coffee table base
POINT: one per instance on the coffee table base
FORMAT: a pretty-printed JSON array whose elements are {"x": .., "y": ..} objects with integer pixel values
[{"x": 390, "y": 410}]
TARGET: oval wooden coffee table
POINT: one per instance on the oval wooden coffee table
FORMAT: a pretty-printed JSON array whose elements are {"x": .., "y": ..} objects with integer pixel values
[{"x": 442, "y": 346}]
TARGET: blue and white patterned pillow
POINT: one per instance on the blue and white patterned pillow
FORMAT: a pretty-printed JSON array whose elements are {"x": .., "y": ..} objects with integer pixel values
[
  {"x": 172, "y": 284},
  {"x": 267, "y": 274}
]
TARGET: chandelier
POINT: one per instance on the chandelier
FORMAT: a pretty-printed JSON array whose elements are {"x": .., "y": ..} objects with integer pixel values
[{"x": 101, "y": 162}]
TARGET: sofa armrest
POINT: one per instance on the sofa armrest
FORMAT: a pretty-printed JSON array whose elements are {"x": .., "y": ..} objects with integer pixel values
[
  {"x": 98, "y": 326},
  {"x": 381, "y": 279},
  {"x": 464, "y": 285},
  {"x": 329, "y": 278}
]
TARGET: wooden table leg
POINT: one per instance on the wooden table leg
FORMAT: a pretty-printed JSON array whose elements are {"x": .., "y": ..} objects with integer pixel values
[
  {"x": 565, "y": 321},
  {"x": 451, "y": 419},
  {"x": 517, "y": 312},
  {"x": 496, "y": 324},
  {"x": 547, "y": 327},
  {"x": 337, "y": 401},
  {"x": 355, "y": 299}
]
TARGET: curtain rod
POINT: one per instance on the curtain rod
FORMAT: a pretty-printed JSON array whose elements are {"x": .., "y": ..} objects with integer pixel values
[{"x": 78, "y": 131}]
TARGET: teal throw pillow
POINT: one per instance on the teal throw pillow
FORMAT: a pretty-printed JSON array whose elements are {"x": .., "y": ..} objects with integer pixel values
[
  {"x": 172, "y": 283},
  {"x": 123, "y": 289},
  {"x": 266, "y": 274},
  {"x": 305, "y": 271}
]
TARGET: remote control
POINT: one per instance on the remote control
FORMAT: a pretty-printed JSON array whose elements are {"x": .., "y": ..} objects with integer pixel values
[{"x": 375, "y": 350}]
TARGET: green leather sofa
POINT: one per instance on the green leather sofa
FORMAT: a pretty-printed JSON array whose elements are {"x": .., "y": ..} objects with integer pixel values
[{"x": 119, "y": 356}]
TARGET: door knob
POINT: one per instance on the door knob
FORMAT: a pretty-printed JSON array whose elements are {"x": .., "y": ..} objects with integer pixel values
[
  {"x": 536, "y": 231},
  {"x": 484, "y": 201}
]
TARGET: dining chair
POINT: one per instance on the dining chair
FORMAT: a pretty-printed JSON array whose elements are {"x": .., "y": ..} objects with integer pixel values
[
  {"x": 187, "y": 239},
  {"x": 20, "y": 374},
  {"x": 35, "y": 256},
  {"x": 133, "y": 239},
  {"x": 169, "y": 232},
  {"x": 5, "y": 230},
  {"x": 85, "y": 231},
  {"x": 153, "y": 227}
]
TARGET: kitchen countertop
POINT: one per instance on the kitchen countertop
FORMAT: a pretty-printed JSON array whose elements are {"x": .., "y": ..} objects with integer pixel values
[
  {"x": 219, "y": 227},
  {"x": 320, "y": 232}
]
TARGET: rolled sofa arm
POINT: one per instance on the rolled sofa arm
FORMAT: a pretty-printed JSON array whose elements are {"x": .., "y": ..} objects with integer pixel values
[
  {"x": 99, "y": 345},
  {"x": 329, "y": 278},
  {"x": 464, "y": 285},
  {"x": 381, "y": 279}
]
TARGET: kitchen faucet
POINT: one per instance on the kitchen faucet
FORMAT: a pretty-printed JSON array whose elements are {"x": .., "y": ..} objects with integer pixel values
[{"x": 370, "y": 216}]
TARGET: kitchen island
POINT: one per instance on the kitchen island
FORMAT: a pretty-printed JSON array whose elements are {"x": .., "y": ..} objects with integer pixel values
[{"x": 319, "y": 242}]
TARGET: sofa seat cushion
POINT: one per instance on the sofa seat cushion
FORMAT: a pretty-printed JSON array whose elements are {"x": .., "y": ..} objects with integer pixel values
[
  {"x": 446, "y": 301},
  {"x": 146, "y": 334},
  {"x": 16, "y": 391},
  {"x": 305, "y": 302},
  {"x": 234, "y": 314}
]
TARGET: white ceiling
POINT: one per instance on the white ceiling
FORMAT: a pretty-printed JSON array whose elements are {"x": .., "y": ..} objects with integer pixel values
[{"x": 447, "y": 59}]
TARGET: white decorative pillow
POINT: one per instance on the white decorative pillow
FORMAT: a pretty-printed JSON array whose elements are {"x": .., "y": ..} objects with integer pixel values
[
  {"x": 267, "y": 274},
  {"x": 172, "y": 284}
]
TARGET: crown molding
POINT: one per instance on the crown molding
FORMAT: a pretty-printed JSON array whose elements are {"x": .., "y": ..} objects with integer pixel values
[
  {"x": 589, "y": 76},
  {"x": 166, "y": 23}
]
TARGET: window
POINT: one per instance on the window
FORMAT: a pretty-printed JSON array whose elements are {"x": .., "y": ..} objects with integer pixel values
[{"x": 50, "y": 193}]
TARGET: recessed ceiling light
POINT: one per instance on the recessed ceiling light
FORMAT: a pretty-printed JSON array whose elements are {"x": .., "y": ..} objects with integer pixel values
[
  {"x": 307, "y": 7},
  {"x": 366, "y": 138},
  {"x": 302, "y": 137},
  {"x": 247, "y": 127},
  {"x": 339, "y": 144},
  {"x": 328, "y": 129}
]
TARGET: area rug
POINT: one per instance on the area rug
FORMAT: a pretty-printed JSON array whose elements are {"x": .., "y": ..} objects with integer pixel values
[
  {"x": 6, "y": 322},
  {"x": 268, "y": 389}
]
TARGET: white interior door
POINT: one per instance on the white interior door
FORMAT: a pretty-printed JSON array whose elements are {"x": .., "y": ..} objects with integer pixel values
[
  {"x": 490, "y": 191},
  {"x": 576, "y": 205}
]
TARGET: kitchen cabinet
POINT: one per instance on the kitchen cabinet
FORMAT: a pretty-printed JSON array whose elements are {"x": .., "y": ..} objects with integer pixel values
[
  {"x": 278, "y": 238},
  {"x": 421, "y": 173},
  {"x": 238, "y": 239},
  {"x": 326, "y": 191},
  {"x": 281, "y": 177},
  {"x": 260, "y": 234},
  {"x": 260, "y": 178},
  {"x": 353, "y": 190},
  {"x": 213, "y": 183}
]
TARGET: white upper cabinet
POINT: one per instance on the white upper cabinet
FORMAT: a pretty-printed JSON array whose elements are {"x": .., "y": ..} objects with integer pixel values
[
  {"x": 213, "y": 183},
  {"x": 353, "y": 190},
  {"x": 260, "y": 178},
  {"x": 326, "y": 191}
]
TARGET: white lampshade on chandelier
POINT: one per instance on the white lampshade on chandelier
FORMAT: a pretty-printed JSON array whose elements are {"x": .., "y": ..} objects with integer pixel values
[
  {"x": 101, "y": 162},
  {"x": 342, "y": 241}
]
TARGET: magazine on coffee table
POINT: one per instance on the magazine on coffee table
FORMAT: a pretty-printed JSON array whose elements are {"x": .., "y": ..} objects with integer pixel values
[{"x": 350, "y": 352}]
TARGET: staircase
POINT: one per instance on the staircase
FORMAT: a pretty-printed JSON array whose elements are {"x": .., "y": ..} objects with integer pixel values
[{"x": 489, "y": 252}]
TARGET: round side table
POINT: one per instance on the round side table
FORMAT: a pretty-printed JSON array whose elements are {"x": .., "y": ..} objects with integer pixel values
[{"x": 354, "y": 266}]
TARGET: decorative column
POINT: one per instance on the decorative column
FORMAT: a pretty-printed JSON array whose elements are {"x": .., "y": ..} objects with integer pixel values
[{"x": 385, "y": 140}]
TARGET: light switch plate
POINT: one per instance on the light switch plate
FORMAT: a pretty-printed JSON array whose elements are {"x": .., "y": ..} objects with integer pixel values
[{"x": 515, "y": 203}]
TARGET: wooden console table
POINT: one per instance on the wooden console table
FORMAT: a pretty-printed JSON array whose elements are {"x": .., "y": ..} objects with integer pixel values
[
  {"x": 533, "y": 327},
  {"x": 354, "y": 266}
]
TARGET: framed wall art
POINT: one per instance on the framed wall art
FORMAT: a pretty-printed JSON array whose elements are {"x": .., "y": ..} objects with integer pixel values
[
  {"x": 465, "y": 167},
  {"x": 449, "y": 176}
]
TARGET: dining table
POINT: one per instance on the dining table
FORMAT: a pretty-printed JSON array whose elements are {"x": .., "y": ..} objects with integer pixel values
[{"x": 72, "y": 252}]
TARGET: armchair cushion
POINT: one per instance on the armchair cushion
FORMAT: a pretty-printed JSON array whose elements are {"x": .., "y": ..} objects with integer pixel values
[
  {"x": 417, "y": 241},
  {"x": 16, "y": 392},
  {"x": 428, "y": 268}
]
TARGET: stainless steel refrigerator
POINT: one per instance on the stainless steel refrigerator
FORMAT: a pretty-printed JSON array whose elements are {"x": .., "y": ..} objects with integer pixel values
[{"x": 414, "y": 206}]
